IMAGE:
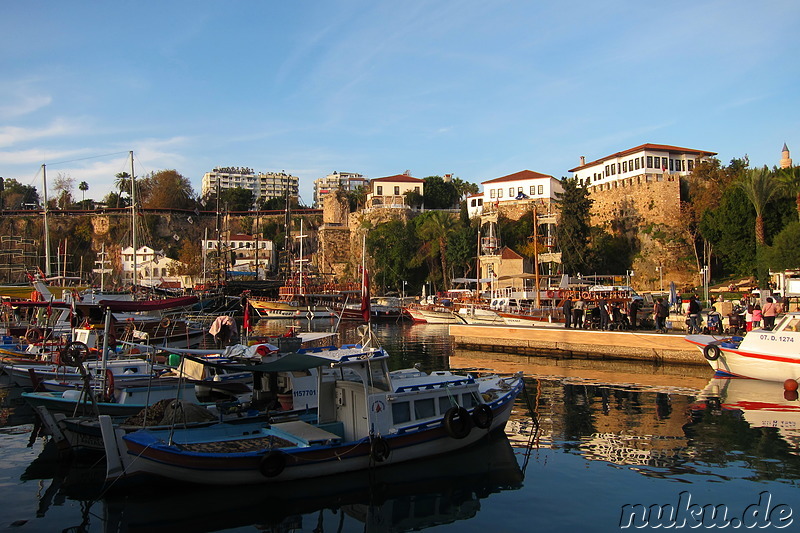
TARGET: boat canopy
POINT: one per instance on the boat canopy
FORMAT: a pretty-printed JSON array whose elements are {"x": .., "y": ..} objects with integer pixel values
[{"x": 293, "y": 362}]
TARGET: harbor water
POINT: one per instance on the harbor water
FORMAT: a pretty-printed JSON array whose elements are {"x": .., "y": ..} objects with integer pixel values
[{"x": 591, "y": 446}]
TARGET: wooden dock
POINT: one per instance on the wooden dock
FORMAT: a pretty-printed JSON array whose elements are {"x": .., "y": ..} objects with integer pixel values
[{"x": 563, "y": 342}]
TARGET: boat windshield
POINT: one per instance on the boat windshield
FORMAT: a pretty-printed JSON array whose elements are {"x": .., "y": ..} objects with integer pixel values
[{"x": 789, "y": 323}]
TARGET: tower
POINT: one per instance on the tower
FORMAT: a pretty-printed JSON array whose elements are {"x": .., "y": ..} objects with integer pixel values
[{"x": 786, "y": 160}]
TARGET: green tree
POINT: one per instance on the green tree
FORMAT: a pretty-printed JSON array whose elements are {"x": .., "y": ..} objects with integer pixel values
[
  {"x": 389, "y": 246},
  {"x": 356, "y": 199},
  {"x": 784, "y": 254},
  {"x": 433, "y": 230},
  {"x": 789, "y": 180},
  {"x": 573, "y": 231},
  {"x": 237, "y": 199},
  {"x": 83, "y": 187},
  {"x": 15, "y": 195},
  {"x": 440, "y": 194},
  {"x": 462, "y": 249},
  {"x": 465, "y": 188},
  {"x": 760, "y": 187}
]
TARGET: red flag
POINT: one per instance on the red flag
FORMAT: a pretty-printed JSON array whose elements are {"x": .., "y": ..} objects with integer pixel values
[
  {"x": 246, "y": 321},
  {"x": 365, "y": 311}
]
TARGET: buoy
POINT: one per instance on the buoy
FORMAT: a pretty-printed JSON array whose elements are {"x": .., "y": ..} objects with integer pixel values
[
  {"x": 790, "y": 384},
  {"x": 790, "y": 395}
]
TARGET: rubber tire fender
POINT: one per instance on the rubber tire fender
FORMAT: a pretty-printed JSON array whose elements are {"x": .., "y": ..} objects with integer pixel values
[
  {"x": 711, "y": 352},
  {"x": 272, "y": 463},
  {"x": 379, "y": 449},
  {"x": 482, "y": 416},
  {"x": 457, "y": 422},
  {"x": 74, "y": 353}
]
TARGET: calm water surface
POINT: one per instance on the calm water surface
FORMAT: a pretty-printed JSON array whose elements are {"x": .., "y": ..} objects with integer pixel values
[{"x": 609, "y": 434}]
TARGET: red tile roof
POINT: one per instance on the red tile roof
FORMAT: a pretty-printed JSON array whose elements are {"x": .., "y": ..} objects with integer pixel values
[
  {"x": 517, "y": 176},
  {"x": 653, "y": 147},
  {"x": 400, "y": 178}
]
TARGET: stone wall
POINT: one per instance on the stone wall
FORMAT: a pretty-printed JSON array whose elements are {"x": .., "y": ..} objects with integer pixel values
[{"x": 641, "y": 200}]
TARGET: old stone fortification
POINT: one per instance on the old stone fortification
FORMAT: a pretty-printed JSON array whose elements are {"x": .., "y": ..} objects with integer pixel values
[{"x": 647, "y": 208}]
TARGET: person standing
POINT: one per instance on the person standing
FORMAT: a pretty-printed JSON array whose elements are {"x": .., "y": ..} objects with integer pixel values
[
  {"x": 567, "y": 307},
  {"x": 604, "y": 317},
  {"x": 693, "y": 313},
  {"x": 757, "y": 315},
  {"x": 635, "y": 304},
  {"x": 769, "y": 312},
  {"x": 577, "y": 313},
  {"x": 658, "y": 314}
]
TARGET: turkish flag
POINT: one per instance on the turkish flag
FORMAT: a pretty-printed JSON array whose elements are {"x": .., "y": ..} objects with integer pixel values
[{"x": 365, "y": 311}]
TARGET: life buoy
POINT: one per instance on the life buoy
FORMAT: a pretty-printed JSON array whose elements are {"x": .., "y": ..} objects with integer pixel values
[
  {"x": 550, "y": 294},
  {"x": 262, "y": 350},
  {"x": 108, "y": 392},
  {"x": 711, "y": 352},
  {"x": 272, "y": 464},
  {"x": 482, "y": 416},
  {"x": 34, "y": 335},
  {"x": 74, "y": 353},
  {"x": 585, "y": 295},
  {"x": 379, "y": 449},
  {"x": 165, "y": 322},
  {"x": 457, "y": 422}
]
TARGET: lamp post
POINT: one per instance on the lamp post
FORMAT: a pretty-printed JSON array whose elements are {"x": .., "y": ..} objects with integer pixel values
[
  {"x": 660, "y": 270},
  {"x": 629, "y": 274},
  {"x": 704, "y": 272},
  {"x": 404, "y": 290}
]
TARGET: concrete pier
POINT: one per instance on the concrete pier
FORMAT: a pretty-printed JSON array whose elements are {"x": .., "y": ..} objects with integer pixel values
[{"x": 635, "y": 345}]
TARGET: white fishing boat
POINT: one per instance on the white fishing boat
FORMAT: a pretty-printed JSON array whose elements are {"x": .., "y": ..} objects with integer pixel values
[
  {"x": 365, "y": 417},
  {"x": 761, "y": 354}
]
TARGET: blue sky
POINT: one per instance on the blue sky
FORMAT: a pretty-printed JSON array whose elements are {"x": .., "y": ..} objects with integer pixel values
[{"x": 476, "y": 89}]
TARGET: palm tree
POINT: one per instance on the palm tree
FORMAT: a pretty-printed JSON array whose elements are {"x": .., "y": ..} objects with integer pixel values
[
  {"x": 434, "y": 231},
  {"x": 760, "y": 186},
  {"x": 83, "y": 187},
  {"x": 789, "y": 179}
]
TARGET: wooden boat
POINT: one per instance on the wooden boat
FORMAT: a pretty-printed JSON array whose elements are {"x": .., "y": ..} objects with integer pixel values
[
  {"x": 760, "y": 354},
  {"x": 431, "y": 314},
  {"x": 366, "y": 417}
]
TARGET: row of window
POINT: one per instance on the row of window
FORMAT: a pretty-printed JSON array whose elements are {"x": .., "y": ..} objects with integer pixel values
[
  {"x": 379, "y": 190},
  {"x": 240, "y": 244},
  {"x": 518, "y": 192},
  {"x": 401, "y": 411},
  {"x": 657, "y": 162}
]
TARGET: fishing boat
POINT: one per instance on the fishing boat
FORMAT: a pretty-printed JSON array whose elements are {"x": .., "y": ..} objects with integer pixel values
[
  {"x": 366, "y": 417},
  {"x": 760, "y": 354}
]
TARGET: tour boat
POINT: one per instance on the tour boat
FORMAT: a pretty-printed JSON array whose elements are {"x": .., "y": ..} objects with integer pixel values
[
  {"x": 365, "y": 417},
  {"x": 761, "y": 354}
]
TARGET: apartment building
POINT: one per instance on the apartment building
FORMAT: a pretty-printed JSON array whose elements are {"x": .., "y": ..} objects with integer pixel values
[
  {"x": 265, "y": 185},
  {"x": 337, "y": 181}
]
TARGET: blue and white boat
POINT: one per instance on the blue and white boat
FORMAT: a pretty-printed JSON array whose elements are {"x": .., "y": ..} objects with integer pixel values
[{"x": 366, "y": 416}]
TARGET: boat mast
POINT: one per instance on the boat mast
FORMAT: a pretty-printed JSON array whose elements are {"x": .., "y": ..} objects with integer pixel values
[
  {"x": 133, "y": 220},
  {"x": 536, "y": 256},
  {"x": 46, "y": 228}
]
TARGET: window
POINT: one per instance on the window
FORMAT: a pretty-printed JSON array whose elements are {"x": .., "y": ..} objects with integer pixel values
[
  {"x": 649, "y": 161},
  {"x": 657, "y": 162},
  {"x": 613, "y": 169},
  {"x": 499, "y": 193},
  {"x": 533, "y": 190},
  {"x": 541, "y": 189},
  {"x": 519, "y": 190},
  {"x": 683, "y": 165},
  {"x": 397, "y": 190},
  {"x": 511, "y": 192},
  {"x": 446, "y": 403},
  {"x": 636, "y": 161},
  {"x": 401, "y": 412},
  {"x": 379, "y": 190},
  {"x": 624, "y": 166},
  {"x": 424, "y": 409},
  {"x": 671, "y": 164},
  {"x": 416, "y": 189},
  {"x": 619, "y": 168},
  {"x": 608, "y": 173},
  {"x": 491, "y": 193},
  {"x": 691, "y": 165}
]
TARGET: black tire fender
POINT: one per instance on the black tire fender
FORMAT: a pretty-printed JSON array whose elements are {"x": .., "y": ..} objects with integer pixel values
[
  {"x": 272, "y": 463},
  {"x": 711, "y": 352},
  {"x": 482, "y": 416},
  {"x": 379, "y": 449},
  {"x": 457, "y": 422},
  {"x": 74, "y": 353}
]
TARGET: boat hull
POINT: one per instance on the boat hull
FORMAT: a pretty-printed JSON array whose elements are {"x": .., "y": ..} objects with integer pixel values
[{"x": 766, "y": 357}]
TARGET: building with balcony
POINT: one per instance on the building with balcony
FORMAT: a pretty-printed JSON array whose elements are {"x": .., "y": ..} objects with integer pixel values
[
  {"x": 389, "y": 192},
  {"x": 337, "y": 181},
  {"x": 264, "y": 185}
]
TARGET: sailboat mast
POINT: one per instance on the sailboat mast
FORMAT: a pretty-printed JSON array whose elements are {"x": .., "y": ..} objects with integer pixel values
[
  {"x": 46, "y": 227},
  {"x": 133, "y": 220},
  {"x": 536, "y": 256}
]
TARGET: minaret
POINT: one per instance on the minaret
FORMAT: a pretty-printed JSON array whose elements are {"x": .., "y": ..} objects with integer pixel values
[{"x": 786, "y": 161}]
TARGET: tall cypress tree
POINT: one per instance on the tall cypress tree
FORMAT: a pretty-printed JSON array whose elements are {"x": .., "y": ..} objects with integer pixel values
[{"x": 573, "y": 230}]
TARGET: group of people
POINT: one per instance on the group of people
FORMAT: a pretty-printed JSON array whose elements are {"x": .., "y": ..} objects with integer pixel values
[{"x": 612, "y": 315}]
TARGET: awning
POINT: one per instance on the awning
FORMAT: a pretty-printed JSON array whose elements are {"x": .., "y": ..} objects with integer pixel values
[{"x": 148, "y": 305}]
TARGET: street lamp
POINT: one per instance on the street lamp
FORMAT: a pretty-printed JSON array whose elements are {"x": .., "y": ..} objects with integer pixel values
[
  {"x": 629, "y": 274},
  {"x": 704, "y": 272},
  {"x": 660, "y": 270},
  {"x": 404, "y": 290}
]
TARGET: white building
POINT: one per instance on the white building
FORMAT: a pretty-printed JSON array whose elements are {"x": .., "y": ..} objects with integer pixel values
[
  {"x": 647, "y": 162},
  {"x": 264, "y": 185},
  {"x": 245, "y": 248},
  {"x": 152, "y": 267},
  {"x": 390, "y": 191},
  {"x": 525, "y": 185},
  {"x": 338, "y": 181}
]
